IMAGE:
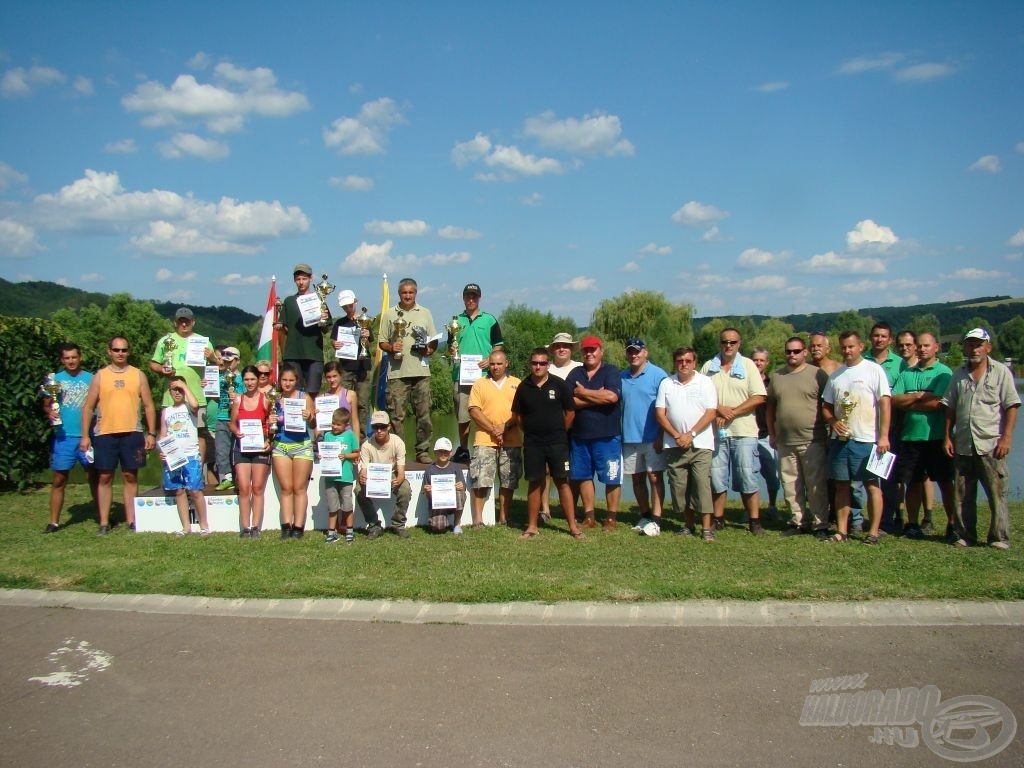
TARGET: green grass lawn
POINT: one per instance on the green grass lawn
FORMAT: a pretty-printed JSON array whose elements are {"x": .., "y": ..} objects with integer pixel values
[{"x": 493, "y": 565}]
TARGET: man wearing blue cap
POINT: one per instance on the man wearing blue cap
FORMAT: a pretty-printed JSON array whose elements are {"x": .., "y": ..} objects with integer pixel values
[{"x": 642, "y": 457}]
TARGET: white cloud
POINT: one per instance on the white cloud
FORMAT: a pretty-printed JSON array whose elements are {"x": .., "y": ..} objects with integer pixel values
[
  {"x": 597, "y": 134},
  {"x": 181, "y": 296},
  {"x": 986, "y": 163},
  {"x": 198, "y": 62},
  {"x": 191, "y": 145},
  {"x": 164, "y": 275},
  {"x": 17, "y": 239},
  {"x": 122, "y": 147},
  {"x": 1019, "y": 146},
  {"x": 762, "y": 283},
  {"x": 352, "y": 183},
  {"x": 630, "y": 266},
  {"x": 772, "y": 87},
  {"x": 533, "y": 199},
  {"x": 234, "y": 278},
  {"x": 510, "y": 162},
  {"x": 867, "y": 233},
  {"x": 374, "y": 258},
  {"x": 833, "y": 262},
  {"x": 921, "y": 73},
  {"x": 63, "y": 281},
  {"x": 470, "y": 151},
  {"x": 973, "y": 273},
  {"x": 712, "y": 234},
  {"x": 875, "y": 286},
  {"x": 870, "y": 63},
  {"x": 1015, "y": 256},
  {"x": 755, "y": 257},
  {"x": 367, "y": 133},
  {"x": 83, "y": 86},
  {"x": 1017, "y": 240},
  {"x": 414, "y": 228},
  {"x": 223, "y": 105},
  {"x": 697, "y": 214},
  {"x": 20, "y": 82},
  {"x": 9, "y": 175},
  {"x": 580, "y": 283},
  {"x": 660, "y": 250},
  {"x": 91, "y": 277},
  {"x": 450, "y": 232},
  {"x": 167, "y": 239}
]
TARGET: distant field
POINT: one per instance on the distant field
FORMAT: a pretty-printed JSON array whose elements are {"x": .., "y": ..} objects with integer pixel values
[{"x": 996, "y": 303}]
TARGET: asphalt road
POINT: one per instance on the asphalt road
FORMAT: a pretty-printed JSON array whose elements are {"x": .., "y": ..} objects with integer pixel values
[{"x": 104, "y": 688}]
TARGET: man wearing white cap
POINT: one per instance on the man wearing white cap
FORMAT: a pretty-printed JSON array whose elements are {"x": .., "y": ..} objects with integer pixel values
[
  {"x": 981, "y": 414},
  {"x": 355, "y": 373},
  {"x": 561, "y": 348}
]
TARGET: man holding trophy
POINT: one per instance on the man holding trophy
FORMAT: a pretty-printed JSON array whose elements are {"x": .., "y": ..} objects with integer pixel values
[
  {"x": 351, "y": 340},
  {"x": 409, "y": 337},
  {"x": 856, "y": 403},
  {"x": 63, "y": 397},
  {"x": 304, "y": 318},
  {"x": 471, "y": 337}
]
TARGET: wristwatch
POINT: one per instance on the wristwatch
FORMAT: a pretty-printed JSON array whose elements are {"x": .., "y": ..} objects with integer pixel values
[{"x": 693, "y": 435}]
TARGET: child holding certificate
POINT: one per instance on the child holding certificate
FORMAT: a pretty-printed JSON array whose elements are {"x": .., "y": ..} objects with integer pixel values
[
  {"x": 179, "y": 450},
  {"x": 443, "y": 486},
  {"x": 338, "y": 475},
  {"x": 249, "y": 415}
]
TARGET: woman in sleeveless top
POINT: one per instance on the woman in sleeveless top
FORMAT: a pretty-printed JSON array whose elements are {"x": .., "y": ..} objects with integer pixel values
[
  {"x": 292, "y": 456},
  {"x": 349, "y": 399},
  {"x": 252, "y": 468}
]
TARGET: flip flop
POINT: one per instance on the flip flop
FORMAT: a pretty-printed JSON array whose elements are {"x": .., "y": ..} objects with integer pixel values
[
  {"x": 528, "y": 534},
  {"x": 578, "y": 535}
]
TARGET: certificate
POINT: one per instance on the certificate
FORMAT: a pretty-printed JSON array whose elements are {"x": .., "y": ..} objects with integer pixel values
[
  {"x": 469, "y": 369},
  {"x": 309, "y": 308},
  {"x": 293, "y": 408},
  {"x": 881, "y": 465},
  {"x": 173, "y": 451},
  {"x": 330, "y": 459},
  {"x": 211, "y": 381},
  {"x": 195, "y": 350},
  {"x": 252, "y": 439},
  {"x": 378, "y": 481},
  {"x": 442, "y": 492},
  {"x": 349, "y": 338},
  {"x": 326, "y": 405}
]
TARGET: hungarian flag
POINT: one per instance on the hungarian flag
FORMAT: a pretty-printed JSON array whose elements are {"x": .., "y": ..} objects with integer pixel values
[{"x": 267, "y": 349}]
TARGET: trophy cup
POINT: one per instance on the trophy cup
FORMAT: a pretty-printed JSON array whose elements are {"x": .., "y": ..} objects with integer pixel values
[
  {"x": 169, "y": 345},
  {"x": 273, "y": 395},
  {"x": 229, "y": 379},
  {"x": 278, "y": 306},
  {"x": 323, "y": 290},
  {"x": 398, "y": 329},
  {"x": 51, "y": 389},
  {"x": 364, "y": 321},
  {"x": 846, "y": 406},
  {"x": 453, "y": 329}
]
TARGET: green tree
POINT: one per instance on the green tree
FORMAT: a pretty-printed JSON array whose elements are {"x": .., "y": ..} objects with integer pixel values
[
  {"x": 852, "y": 320},
  {"x": 648, "y": 314},
  {"x": 927, "y": 323},
  {"x": 524, "y": 328},
  {"x": 1011, "y": 338},
  {"x": 772, "y": 335}
]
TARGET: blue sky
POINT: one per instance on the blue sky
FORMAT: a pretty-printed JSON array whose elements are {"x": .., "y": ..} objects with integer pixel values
[{"x": 741, "y": 157}]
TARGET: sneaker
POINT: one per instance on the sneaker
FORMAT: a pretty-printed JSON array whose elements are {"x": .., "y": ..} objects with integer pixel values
[
  {"x": 103, "y": 531},
  {"x": 756, "y": 528},
  {"x": 457, "y": 530},
  {"x": 913, "y": 532},
  {"x": 707, "y": 534},
  {"x": 332, "y": 537},
  {"x": 374, "y": 532},
  {"x": 179, "y": 533},
  {"x": 651, "y": 529},
  {"x": 685, "y": 531},
  {"x": 298, "y": 533},
  {"x": 718, "y": 523},
  {"x": 245, "y": 533},
  {"x": 204, "y": 531},
  {"x": 951, "y": 534},
  {"x": 350, "y": 536},
  {"x": 1000, "y": 544},
  {"x": 961, "y": 543},
  {"x": 254, "y": 533},
  {"x": 641, "y": 523},
  {"x": 131, "y": 526},
  {"x": 51, "y": 528},
  {"x": 926, "y": 523},
  {"x": 286, "y": 533},
  {"x": 400, "y": 531},
  {"x": 226, "y": 484}
]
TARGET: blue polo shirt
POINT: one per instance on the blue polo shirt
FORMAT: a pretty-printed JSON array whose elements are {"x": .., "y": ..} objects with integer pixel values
[
  {"x": 597, "y": 421},
  {"x": 638, "y": 393}
]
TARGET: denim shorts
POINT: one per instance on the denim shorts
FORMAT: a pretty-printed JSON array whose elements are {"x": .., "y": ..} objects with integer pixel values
[
  {"x": 735, "y": 465},
  {"x": 848, "y": 460},
  {"x": 602, "y": 455}
]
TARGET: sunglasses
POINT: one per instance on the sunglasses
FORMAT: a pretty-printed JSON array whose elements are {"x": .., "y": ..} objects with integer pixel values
[
  {"x": 263, "y": 373},
  {"x": 379, "y": 427},
  {"x": 793, "y": 351},
  {"x": 539, "y": 362},
  {"x": 118, "y": 349},
  {"x": 729, "y": 342}
]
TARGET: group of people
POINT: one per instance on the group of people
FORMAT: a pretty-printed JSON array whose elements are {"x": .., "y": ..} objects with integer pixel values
[{"x": 814, "y": 427}]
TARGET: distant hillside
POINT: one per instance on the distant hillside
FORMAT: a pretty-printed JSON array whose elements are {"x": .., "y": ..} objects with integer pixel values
[
  {"x": 952, "y": 315},
  {"x": 41, "y": 299}
]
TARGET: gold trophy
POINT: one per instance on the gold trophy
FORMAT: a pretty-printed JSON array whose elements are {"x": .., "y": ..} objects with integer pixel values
[
  {"x": 169, "y": 345},
  {"x": 229, "y": 379},
  {"x": 51, "y": 389},
  {"x": 365, "y": 322},
  {"x": 398, "y": 329},
  {"x": 846, "y": 407},
  {"x": 453, "y": 329},
  {"x": 323, "y": 290},
  {"x": 273, "y": 395}
]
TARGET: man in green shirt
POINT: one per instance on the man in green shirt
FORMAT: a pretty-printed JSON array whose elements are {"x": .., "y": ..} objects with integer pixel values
[
  {"x": 892, "y": 364},
  {"x": 918, "y": 395}
]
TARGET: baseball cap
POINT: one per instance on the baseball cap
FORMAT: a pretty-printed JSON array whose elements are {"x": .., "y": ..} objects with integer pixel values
[
  {"x": 443, "y": 444},
  {"x": 562, "y": 338},
  {"x": 472, "y": 288},
  {"x": 590, "y": 341},
  {"x": 635, "y": 342},
  {"x": 230, "y": 352},
  {"x": 977, "y": 333},
  {"x": 345, "y": 298},
  {"x": 184, "y": 313},
  {"x": 302, "y": 269},
  {"x": 379, "y": 417}
]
